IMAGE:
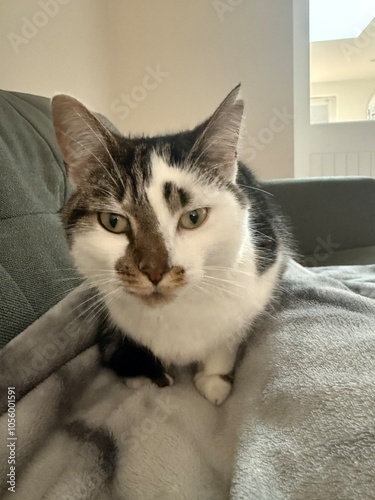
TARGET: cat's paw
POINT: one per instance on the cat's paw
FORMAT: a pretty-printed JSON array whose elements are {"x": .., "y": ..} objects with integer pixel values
[{"x": 215, "y": 388}]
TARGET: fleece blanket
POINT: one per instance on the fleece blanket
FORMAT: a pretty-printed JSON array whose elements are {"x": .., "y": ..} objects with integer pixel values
[{"x": 300, "y": 423}]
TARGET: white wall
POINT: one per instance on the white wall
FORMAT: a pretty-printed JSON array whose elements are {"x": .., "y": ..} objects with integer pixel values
[
  {"x": 61, "y": 48},
  {"x": 102, "y": 51},
  {"x": 204, "y": 49}
]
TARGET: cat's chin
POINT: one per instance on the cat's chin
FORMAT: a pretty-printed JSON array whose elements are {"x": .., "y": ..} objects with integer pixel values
[{"x": 155, "y": 298}]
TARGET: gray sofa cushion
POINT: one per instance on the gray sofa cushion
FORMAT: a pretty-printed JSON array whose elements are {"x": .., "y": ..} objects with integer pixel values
[
  {"x": 332, "y": 218},
  {"x": 35, "y": 269}
]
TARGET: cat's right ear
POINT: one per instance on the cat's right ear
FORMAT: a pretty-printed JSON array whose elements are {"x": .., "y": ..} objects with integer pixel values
[{"x": 80, "y": 135}]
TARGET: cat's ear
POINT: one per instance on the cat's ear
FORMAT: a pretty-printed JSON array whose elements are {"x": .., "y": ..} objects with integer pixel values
[
  {"x": 80, "y": 135},
  {"x": 216, "y": 147}
]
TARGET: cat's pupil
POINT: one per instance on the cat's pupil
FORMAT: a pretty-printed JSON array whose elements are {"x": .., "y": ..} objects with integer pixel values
[
  {"x": 113, "y": 220},
  {"x": 194, "y": 216}
]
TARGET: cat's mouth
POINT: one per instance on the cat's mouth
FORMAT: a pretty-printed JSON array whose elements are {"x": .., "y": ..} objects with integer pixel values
[{"x": 155, "y": 297}]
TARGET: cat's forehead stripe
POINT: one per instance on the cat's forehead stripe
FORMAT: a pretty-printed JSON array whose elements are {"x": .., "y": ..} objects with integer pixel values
[
  {"x": 184, "y": 197},
  {"x": 175, "y": 197}
]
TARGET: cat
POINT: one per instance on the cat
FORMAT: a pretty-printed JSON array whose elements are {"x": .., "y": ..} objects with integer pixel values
[{"x": 176, "y": 234}]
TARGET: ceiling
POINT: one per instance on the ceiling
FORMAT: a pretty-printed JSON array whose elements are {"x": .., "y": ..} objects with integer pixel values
[{"x": 350, "y": 59}]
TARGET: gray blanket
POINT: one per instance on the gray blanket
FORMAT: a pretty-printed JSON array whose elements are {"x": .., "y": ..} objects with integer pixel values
[{"x": 300, "y": 423}]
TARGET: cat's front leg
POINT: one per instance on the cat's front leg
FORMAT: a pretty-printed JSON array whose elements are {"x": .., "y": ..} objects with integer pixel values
[{"x": 214, "y": 379}]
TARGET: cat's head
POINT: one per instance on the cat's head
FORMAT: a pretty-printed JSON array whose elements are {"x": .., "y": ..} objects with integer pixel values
[{"x": 151, "y": 216}]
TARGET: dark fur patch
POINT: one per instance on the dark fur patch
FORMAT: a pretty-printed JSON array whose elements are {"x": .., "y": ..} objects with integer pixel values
[
  {"x": 175, "y": 197},
  {"x": 167, "y": 191},
  {"x": 101, "y": 439},
  {"x": 146, "y": 248},
  {"x": 75, "y": 215},
  {"x": 184, "y": 197},
  {"x": 127, "y": 358},
  {"x": 266, "y": 224}
]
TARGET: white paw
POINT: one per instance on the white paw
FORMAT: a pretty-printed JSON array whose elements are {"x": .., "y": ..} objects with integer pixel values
[
  {"x": 137, "y": 382},
  {"x": 212, "y": 387}
]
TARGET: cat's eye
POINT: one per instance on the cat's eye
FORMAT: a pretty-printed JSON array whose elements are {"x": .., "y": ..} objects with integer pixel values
[
  {"x": 193, "y": 219},
  {"x": 113, "y": 222}
]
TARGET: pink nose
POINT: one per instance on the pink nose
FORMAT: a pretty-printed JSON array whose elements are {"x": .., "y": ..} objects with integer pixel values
[{"x": 154, "y": 274}]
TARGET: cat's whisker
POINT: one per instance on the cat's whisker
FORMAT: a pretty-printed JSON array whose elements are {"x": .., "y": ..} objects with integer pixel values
[
  {"x": 103, "y": 191},
  {"x": 113, "y": 297},
  {"x": 268, "y": 314},
  {"x": 204, "y": 289},
  {"x": 57, "y": 270},
  {"x": 264, "y": 279},
  {"x": 103, "y": 284},
  {"x": 219, "y": 288},
  {"x": 254, "y": 188},
  {"x": 198, "y": 289},
  {"x": 229, "y": 270},
  {"x": 92, "y": 311},
  {"x": 263, "y": 235},
  {"x": 86, "y": 306},
  {"x": 92, "y": 298},
  {"x": 71, "y": 278},
  {"x": 223, "y": 280},
  {"x": 75, "y": 269},
  {"x": 83, "y": 286},
  {"x": 89, "y": 282},
  {"x": 62, "y": 294},
  {"x": 97, "y": 310}
]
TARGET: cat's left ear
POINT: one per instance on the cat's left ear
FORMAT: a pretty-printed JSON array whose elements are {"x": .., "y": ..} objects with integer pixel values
[{"x": 217, "y": 145}]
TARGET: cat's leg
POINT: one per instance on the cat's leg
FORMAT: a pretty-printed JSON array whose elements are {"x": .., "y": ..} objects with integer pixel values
[{"x": 214, "y": 380}]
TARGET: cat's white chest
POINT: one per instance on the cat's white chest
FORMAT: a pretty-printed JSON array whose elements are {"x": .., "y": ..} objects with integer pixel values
[
  {"x": 179, "y": 335},
  {"x": 188, "y": 329}
]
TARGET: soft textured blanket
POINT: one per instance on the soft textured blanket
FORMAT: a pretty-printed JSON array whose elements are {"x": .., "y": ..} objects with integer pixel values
[{"x": 300, "y": 423}]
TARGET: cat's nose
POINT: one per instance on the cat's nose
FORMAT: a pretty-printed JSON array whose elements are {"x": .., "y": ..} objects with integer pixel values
[{"x": 154, "y": 274}]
